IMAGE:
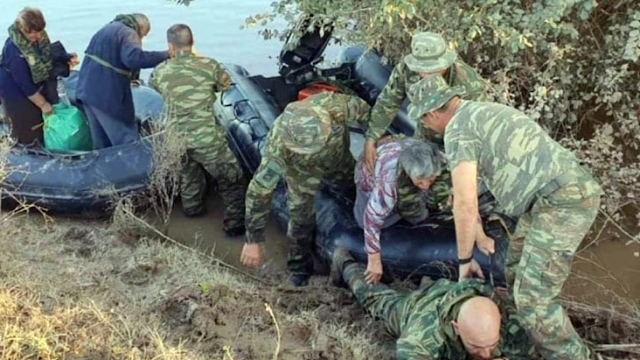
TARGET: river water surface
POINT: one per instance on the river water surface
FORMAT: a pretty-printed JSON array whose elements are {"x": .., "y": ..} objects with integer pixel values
[{"x": 215, "y": 24}]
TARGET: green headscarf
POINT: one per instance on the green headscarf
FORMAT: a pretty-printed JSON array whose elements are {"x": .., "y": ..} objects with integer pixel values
[
  {"x": 128, "y": 20},
  {"x": 37, "y": 55}
]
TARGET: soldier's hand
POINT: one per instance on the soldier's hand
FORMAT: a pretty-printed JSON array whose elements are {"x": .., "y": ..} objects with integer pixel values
[
  {"x": 374, "y": 269},
  {"x": 251, "y": 255},
  {"x": 370, "y": 155},
  {"x": 470, "y": 270},
  {"x": 485, "y": 244}
]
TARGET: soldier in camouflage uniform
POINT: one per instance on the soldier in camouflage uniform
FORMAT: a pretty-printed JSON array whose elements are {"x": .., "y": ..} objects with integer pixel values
[
  {"x": 442, "y": 320},
  {"x": 188, "y": 84},
  {"x": 429, "y": 55},
  {"x": 309, "y": 142},
  {"x": 533, "y": 178}
]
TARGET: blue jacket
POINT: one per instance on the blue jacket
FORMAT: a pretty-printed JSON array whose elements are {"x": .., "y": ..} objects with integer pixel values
[
  {"x": 15, "y": 75},
  {"x": 105, "y": 89}
]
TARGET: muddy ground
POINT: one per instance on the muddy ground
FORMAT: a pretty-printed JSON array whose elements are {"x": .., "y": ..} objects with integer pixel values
[
  {"x": 157, "y": 290},
  {"x": 166, "y": 302}
]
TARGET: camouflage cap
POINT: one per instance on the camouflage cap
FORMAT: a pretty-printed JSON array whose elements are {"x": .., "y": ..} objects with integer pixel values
[
  {"x": 305, "y": 129},
  {"x": 429, "y": 53},
  {"x": 429, "y": 94}
]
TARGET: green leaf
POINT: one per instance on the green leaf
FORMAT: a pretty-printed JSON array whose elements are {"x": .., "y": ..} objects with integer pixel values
[{"x": 205, "y": 287}]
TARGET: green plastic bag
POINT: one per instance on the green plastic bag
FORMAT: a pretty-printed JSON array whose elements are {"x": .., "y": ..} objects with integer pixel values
[{"x": 66, "y": 129}]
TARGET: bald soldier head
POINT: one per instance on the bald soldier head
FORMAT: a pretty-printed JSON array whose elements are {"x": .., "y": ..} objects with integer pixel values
[
  {"x": 478, "y": 326},
  {"x": 180, "y": 38}
]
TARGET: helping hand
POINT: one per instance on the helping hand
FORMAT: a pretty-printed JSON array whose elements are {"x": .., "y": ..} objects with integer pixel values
[
  {"x": 469, "y": 270},
  {"x": 374, "y": 269},
  {"x": 485, "y": 244},
  {"x": 251, "y": 255},
  {"x": 74, "y": 61},
  {"x": 47, "y": 109}
]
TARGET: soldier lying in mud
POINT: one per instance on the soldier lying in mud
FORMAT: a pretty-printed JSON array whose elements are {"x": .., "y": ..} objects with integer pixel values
[{"x": 442, "y": 320}]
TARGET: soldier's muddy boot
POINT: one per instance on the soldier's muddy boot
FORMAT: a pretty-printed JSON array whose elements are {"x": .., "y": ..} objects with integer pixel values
[
  {"x": 299, "y": 280},
  {"x": 340, "y": 259},
  {"x": 195, "y": 211}
]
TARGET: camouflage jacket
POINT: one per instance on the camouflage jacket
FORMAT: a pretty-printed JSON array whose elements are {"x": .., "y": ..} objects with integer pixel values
[
  {"x": 515, "y": 157},
  {"x": 278, "y": 161},
  {"x": 427, "y": 332},
  {"x": 188, "y": 85},
  {"x": 401, "y": 79}
]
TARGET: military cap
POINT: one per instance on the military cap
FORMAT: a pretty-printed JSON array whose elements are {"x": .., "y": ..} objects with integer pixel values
[
  {"x": 429, "y": 94},
  {"x": 429, "y": 53},
  {"x": 305, "y": 129}
]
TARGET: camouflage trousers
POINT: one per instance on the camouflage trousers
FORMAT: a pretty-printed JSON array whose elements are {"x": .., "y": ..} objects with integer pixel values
[
  {"x": 225, "y": 169},
  {"x": 539, "y": 261},
  {"x": 302, "y": 187},
  {"x": 381, "y": 302}
]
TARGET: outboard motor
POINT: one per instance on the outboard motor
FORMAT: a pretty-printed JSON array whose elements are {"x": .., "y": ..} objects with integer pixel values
[{"x": 302, "y": 52}]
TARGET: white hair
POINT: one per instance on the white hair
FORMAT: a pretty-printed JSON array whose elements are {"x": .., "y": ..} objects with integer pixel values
[{"x": 420, "y": 159}]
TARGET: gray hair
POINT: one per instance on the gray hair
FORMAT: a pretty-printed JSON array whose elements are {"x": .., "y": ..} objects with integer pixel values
[
  {"x": 144, "y": 25},
  {"x": 420, "y": 159},
  {"x": 180, "y": 35}
]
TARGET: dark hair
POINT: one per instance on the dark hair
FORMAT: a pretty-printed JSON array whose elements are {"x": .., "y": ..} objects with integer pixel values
[
  {"x": 180, "y": 35},
  {"x": 30, "y": 19}
]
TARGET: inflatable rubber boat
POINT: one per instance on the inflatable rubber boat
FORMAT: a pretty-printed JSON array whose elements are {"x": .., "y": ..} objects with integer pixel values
[
  {"x": 82, "y": 182},
  {"x": 248, "y": 110}
]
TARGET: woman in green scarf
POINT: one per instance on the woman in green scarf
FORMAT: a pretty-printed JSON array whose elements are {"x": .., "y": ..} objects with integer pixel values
[{"x": 25, "y": 67}]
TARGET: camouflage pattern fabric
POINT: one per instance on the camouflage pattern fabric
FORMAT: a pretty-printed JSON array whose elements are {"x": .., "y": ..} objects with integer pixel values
[
  {"x": 421, "y": 319},
  {"x": 395, "y": 92},
  {"x": 188, "y": 85},
  {"x": 516, "y": 158},
  {"x": 531, "y": 175},
  {"x": 224, "y": 168},
  {"x": 38, "y": 55},
  {"x": 303, "y": 173},
  {"x": 539, "y": 261},
  {"x": 429, "y": 53}
]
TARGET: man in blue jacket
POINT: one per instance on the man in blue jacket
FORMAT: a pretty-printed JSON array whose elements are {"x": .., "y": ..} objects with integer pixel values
[{"x": 112, "y": 60}]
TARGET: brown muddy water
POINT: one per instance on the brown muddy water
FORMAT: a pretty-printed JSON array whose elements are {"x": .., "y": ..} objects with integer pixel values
[
  {"x": 605, "y": 274},
  {"x": 205, "y": 233}
]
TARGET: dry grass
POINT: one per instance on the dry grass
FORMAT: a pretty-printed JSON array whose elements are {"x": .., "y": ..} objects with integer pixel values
[
  {"x": 84, "y": 331},
  {"x": 155, "y": 204}
]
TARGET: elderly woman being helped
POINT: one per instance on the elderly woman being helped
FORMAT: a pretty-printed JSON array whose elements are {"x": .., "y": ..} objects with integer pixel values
[
  {"x": 404, "y": 171},
  {"x": 26, "y": 66}
]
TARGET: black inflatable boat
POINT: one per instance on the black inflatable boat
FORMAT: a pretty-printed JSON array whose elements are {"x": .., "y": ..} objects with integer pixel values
[
  {"x": 248, "y": 109},
  {"x": 84, "y": 181}
]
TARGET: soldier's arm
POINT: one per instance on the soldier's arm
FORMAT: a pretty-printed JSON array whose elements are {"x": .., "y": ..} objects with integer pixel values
[
  {"x": 387, "y": 104},
  {"x": 359, "y": 111},
  {"x": 258, "y": 198},
  {"x": 409, "y": 349},
  {"x": 223, "y": 79}
]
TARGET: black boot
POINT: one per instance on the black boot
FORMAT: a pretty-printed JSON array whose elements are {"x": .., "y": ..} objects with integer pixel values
[{"x": 340, "y": 259}]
